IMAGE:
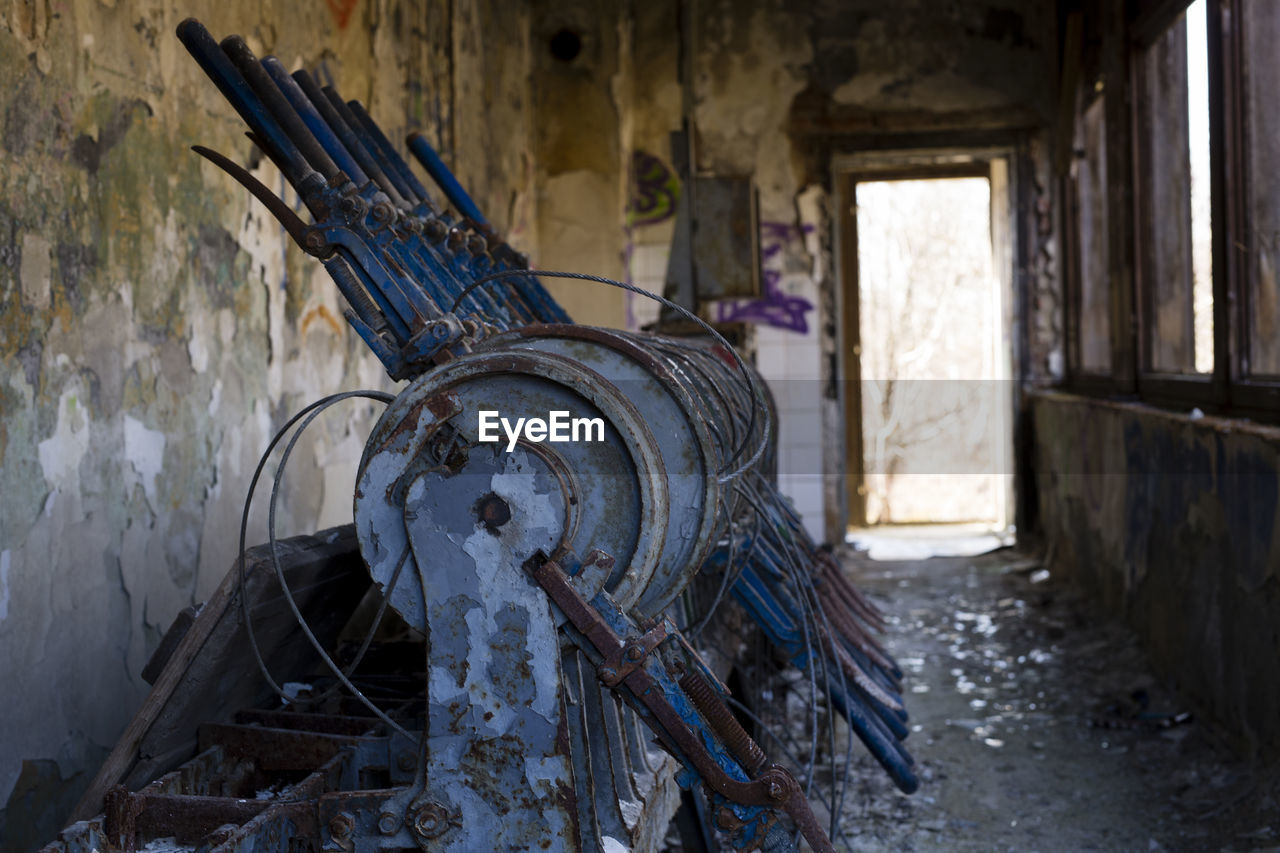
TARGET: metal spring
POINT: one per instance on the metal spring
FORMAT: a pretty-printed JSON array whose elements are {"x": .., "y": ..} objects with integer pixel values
[{"x": 709, "y": 704}]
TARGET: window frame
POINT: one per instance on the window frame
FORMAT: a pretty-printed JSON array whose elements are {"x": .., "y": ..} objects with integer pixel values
[
  {"x": 1118, "y": 34},
  {"x": 1249, "y": 393},
  {"x": 1099, "y": 58},
  {"x": 1115, "y": 378},
  {"x": 1208, "y": 389}
]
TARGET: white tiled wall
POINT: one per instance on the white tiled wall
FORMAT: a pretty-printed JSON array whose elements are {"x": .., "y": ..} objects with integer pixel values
[
  {"x": 790, "y": 362},
  {"x": 648, "y": 269}
]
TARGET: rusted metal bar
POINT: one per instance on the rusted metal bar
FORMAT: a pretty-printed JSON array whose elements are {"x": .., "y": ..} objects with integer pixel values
[
  {"x": 867, "y": 644},
  {"x": 333, "y": 724},
  {"x": 853, "y": 599},
  {"x": 279, "y": 749},
  {"x": 774, "y": 787},
  {"x": 186, "y": 817}
]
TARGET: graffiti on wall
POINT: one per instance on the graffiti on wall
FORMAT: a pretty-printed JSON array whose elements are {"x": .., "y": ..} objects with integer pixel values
[
  {"x": 655, "y": 189},
  {"x": 776, "y": 307}
]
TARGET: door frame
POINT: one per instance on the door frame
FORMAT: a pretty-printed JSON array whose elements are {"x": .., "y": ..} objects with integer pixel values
[{"x": 1000, "y": 165}]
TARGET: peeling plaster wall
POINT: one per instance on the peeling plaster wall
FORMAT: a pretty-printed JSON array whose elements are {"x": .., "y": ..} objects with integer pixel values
[
  {"x": 582, "y": 134},
  {"x": 921, "y": 56},
  {"x": 155, "y": 329},
  {"x": 653, "y": 188},
  {"x": 1171, "y": 523}
]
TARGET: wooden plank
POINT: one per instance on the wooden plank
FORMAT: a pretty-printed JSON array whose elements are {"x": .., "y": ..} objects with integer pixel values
[{"x": 1065, "y": 131}]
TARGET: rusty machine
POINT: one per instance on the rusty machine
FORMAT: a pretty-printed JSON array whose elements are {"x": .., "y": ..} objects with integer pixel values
[{"x": 557, "y": 600}]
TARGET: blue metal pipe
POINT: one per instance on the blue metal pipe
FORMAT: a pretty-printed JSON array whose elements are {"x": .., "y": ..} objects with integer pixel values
[
  {"x": 319, "y": 128},
  {"x": 242, "y": 98},
  {"x": 444, "y": 179}
]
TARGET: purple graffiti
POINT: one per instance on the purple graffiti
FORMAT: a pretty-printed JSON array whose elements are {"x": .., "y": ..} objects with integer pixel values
[{"x": 775, "y": 308}]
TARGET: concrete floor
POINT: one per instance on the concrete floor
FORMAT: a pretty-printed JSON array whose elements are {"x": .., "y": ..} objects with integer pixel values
[{"x": 1008, "y": 681}]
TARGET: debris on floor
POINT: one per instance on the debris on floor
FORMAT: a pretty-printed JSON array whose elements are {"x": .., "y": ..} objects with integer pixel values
[{"x": 1038, "y": 726}]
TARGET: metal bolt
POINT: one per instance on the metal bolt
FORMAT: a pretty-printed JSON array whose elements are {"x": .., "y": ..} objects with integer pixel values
[
  {"x": 635, "y": 652},
  {"x": 388, "y": 823},
  {"x": 340, "y": 825},
  {"x": 406, "y": 761},
  {"x": 776, "y": 790},
  {"x": 431, "y": 820}
]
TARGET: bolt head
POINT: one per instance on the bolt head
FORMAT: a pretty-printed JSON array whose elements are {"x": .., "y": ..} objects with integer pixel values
[
  {"x": 431, "y": 820},
  {"x": 340, "y": 825},
  {"x": 388, "y": 823},
  {"x": 634, "y": 653}
]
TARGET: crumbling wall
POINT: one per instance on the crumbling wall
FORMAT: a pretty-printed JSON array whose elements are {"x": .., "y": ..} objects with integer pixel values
[
  {"x": 156, "y": 328},
  {"x": 581, "y": 72},
  {"x": 1170, "y": 522}
]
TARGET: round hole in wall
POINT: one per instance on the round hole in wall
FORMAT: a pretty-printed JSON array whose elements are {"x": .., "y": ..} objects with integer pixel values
[{"x": 566, "y": 45}]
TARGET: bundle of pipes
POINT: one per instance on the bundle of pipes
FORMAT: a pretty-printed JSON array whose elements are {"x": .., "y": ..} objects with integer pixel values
[{"x": 532, "y": 558}]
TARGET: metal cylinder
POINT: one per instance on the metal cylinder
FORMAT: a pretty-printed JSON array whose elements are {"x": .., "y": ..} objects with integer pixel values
[{"x": 674, "y": 416}]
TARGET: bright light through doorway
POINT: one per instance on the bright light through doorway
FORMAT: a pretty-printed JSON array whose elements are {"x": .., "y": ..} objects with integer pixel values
[{"x": 934, "y": 354}]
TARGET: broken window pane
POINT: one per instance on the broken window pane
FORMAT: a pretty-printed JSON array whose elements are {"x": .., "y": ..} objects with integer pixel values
[
  {"x": 1174, "y": 227},
  {"x": 1261, "y": 30}
]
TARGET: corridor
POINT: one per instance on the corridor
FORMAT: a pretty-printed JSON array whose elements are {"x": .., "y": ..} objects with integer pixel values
[{"x": 1038, "y": 726}]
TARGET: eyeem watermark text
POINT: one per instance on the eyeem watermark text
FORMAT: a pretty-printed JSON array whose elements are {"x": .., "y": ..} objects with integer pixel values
[{"x": 557, "y": 427}]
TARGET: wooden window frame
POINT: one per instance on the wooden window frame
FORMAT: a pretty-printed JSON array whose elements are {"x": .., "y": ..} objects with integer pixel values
[
  {"x": 1210, "y": 390},
  {"x": 1118, "y": 378},
  {"x": 1124, "y": 31},
  {"x": 1128, "y": 30},
  {"x": 1260, "y": 395},
  {"x": 1101, "y": 58}
]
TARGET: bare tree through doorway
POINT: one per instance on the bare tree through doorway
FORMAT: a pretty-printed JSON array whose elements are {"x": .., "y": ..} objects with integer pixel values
[{"x": 932, "y": 354}]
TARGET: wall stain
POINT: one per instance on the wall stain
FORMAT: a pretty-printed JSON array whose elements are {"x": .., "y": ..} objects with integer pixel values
[
  {"x": 88, "y": 152},
  {"x": 1195, "y": 565},
  {"x": 323, "y": 315}
]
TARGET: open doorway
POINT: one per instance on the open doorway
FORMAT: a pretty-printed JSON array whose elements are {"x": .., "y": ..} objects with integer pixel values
[{"x": 927, "y": 335}]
